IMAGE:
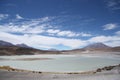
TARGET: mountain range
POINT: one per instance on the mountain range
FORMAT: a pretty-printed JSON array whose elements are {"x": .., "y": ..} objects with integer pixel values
[
  {"x": 7, "y": 48},
  {"x": 95, "y": 47}
]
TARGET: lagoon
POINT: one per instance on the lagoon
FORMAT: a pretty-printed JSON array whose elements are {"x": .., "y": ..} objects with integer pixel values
[{"x": 59, "y": 63}]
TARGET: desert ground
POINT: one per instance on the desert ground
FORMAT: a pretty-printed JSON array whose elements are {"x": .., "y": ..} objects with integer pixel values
[{"x": 113, "y": 74}]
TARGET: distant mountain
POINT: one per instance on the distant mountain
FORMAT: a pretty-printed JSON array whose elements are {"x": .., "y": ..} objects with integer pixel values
[
  {"x": 7, "y": 48},
  {"x": 97, "y": 46},
  {"x": 23, "y": 45},
  {"x": 15, "y": 50},
  {"x": 4, "y": 43},
  {"x": 94, "y": 47}
]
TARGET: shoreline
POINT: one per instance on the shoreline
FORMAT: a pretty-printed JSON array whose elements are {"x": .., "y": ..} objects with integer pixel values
[
  {"x": 106, "y": 68},
  {"x": 113, "y": 74}
]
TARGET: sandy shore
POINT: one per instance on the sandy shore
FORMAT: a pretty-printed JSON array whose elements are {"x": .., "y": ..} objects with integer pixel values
[
  {"x": 113, "y": 74},
  {"x": 108, "y": 75}
]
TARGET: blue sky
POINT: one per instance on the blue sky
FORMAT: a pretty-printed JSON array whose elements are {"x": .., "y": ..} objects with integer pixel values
[{"x": 60, "y": 24}]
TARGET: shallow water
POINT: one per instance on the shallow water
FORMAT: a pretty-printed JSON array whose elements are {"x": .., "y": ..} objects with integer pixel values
[{"x": 59, "y": 63}]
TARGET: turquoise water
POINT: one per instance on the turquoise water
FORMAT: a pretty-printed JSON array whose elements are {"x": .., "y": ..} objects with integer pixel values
[{"x": 60, "y": 63}]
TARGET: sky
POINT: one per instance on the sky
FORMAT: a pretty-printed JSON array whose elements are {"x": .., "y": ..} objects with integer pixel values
[{"x": 60, "y": 24}]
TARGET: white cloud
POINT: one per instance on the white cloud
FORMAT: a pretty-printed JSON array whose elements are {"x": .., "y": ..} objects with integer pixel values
[
  {"x": 10, "y": 38},
  {"x": 99, "y": 39},
  {"x": 47, "y": 47},
  {"x": 33, "y": 40},
  {"x": 19, "y": 17},
  {"x": 45, "y": 18},
  {"x": 66, "y": 33},
  {"x": 117, "y": 33},
  {"x": 46, "y": 40},
  {"x": 52, "y": 31},
  {"x": 35, "y": 26},
  {"x": 109, "y": 26},
  {"x": 38, "y": 26},
  {"x": 21, "y": 29},
  {"x": 85, "y": 34},
  {"x": 113, "y": 4},
  {"x": 113, "y": 43},
  {"x": 3, "y": 16}
]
